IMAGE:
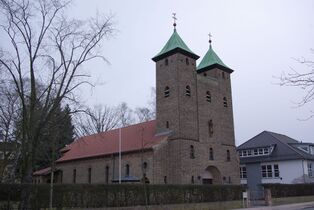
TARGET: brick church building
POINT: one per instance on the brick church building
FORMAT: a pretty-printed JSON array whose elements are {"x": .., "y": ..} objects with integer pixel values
[{"x": 190, "y": 142}]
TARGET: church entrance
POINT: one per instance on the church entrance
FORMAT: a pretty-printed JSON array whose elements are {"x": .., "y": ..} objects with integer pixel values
[{"x": 211, "y": 175}]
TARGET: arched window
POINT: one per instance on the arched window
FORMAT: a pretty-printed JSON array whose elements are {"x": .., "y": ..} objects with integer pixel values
[
  {"x": 208, "y": 96},
  {"x": 166, "y": 61},
  {"x": 145, "y": 165},
  {"x": 167, "y": 92},
  {"x": 211, "y": 154},
  {"x": 107, "y": 175},
  {"x": 192, "y": 179},
  {"x": 192, "y": 152},
  {"x": 210, "y": 128},
  {"x": 89, "y": 175},
  {"x": 225, "y": 102},
  {"x": 187, "y": 91},
  {"x": 167, "y": 124},
  {"x": 228, "y": 155},
  {"x": 165, "y": 179},
  {"x": 127, "y": 170},
  {"x": 187, "y": 61},
  {"x": 223, "y": 75},
  {"x": 74, "y": 176}
]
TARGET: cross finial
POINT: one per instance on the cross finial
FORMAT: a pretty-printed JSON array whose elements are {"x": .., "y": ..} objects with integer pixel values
[
  {"x": 210, "y": 40},
  {"x": 174, "y": 20}
]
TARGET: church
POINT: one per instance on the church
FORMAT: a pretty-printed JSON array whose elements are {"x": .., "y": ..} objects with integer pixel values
[{"x": 190, "y": 142}]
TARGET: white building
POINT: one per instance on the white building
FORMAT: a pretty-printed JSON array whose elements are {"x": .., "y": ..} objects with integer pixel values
[{"x": 275, "y": 158}]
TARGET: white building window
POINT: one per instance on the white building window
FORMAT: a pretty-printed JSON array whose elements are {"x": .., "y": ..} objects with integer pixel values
[
  {"x": 310, "y": 169},
  {"x": 243, "y": 172},
  {"x": 256, "y": 152},
  {"x": 270, "y": 171}
]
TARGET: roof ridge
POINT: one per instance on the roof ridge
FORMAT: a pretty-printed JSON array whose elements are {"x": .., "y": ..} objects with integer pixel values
[{"x": 251, "y": 138}]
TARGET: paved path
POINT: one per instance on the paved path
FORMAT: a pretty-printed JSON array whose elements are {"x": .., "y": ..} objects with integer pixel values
[{"x": 296, "y": 206}]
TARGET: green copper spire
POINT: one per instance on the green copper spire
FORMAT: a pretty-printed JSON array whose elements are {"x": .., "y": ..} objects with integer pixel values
[
  {"x": 211, "y": 60},
  {"x": 175, "y": 44}
]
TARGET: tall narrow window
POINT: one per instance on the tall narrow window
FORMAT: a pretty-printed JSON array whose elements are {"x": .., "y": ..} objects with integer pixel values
[
  {"x": 187, "y": 91},
  {"x": 228, "y": 155},
  {"x": 165, "y": 179},
  {"x": 208, "y": 97},
  {"x": 225, "y": 102},
  {"x": 145, "y": 165},
  {"x": 192, "y": 152},
  {"x": 74, "y": 176},
  {"x": 210, "y": 128},
  {"x": 243, "y": 172},
  {"x": 107, "y": 174},
  {"x": 167, "y": 92},
  {"x": 310, "y": 169},
  {"x": 127, "y": 170},
  {"x": 276, "y": 170},
  {"x": 223, "y": 75},
  {"x": 89, "y": 175},
  {"x": 211, "y": 154},
  {"x": 166, "y": 61},
  {"x": 192, "y": 179},
  {"x": 167, "y": 124},
  {"x": 187, "y": 61}
]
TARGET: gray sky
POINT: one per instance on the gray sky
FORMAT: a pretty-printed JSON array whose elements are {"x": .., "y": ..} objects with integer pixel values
[{"x": 258, "y": 39}]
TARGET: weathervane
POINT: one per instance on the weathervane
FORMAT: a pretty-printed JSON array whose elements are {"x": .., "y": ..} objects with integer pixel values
[
  {"x": 174, "y": 20},
  {"x": 210, "y": 40}
]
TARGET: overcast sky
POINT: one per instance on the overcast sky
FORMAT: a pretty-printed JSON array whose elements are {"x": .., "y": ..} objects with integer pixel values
[{"x": 258, "y": 39}]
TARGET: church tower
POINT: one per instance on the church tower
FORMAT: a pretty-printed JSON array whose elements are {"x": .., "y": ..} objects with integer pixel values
[
  {"x": 194, "y": 104},
  {"x": 176, "y": 91}
]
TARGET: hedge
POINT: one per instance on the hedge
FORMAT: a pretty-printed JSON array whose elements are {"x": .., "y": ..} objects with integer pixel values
[
  {"x": 286, "y": 190},
  {"x": 101, "y": 195}
]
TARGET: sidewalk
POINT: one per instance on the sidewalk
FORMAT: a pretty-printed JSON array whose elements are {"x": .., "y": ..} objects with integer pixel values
[{"x": 295, "y": 206}]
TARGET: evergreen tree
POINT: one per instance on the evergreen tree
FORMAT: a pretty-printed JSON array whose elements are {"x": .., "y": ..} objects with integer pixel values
[{"x": 58, "y": 133}]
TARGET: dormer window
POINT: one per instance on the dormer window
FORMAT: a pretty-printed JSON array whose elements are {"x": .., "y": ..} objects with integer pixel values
[
  {"x": 187, "y": 91},
  {"x": 167, "y": 92},
  {"x": 256, "y": 151},
  {"x": 208, "y": 97}
]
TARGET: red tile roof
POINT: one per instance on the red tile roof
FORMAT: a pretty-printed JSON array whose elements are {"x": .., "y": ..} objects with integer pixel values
[
  {"x": 44, "y": 171},
  {"x": 105, "y": 143}
]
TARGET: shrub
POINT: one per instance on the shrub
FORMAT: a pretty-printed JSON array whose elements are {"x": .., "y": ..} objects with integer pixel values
[
  {"x": 101, "y": 195},
  {"x": 286, "y": 190}
]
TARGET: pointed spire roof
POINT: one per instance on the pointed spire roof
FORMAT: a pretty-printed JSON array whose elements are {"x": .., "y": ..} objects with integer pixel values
[
  {"x": 174, "y": 44},
  {"x": 210, "y": 61}
]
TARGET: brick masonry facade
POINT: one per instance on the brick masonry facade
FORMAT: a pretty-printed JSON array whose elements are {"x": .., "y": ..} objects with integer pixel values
[{"x": 201, "y": 147}]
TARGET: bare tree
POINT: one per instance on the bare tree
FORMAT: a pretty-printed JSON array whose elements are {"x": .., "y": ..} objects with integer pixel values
[
  {"x": 47, "y": 48},
  {"x": 303, "y": 79},
  {"x": 144, "y": 114},
  {"x": 96, "y": 120},
  {"x": 125, "y": 115},
  {"x": 9, "y": 148}
]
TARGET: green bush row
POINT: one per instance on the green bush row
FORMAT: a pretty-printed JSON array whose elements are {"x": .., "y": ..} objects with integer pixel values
[
  {"x": 100, "y": 195},
  {"x": 286, "y": 190}
]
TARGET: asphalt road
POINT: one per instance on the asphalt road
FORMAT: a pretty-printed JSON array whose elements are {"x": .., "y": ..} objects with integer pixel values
[{"x": 296, "y": 206}]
